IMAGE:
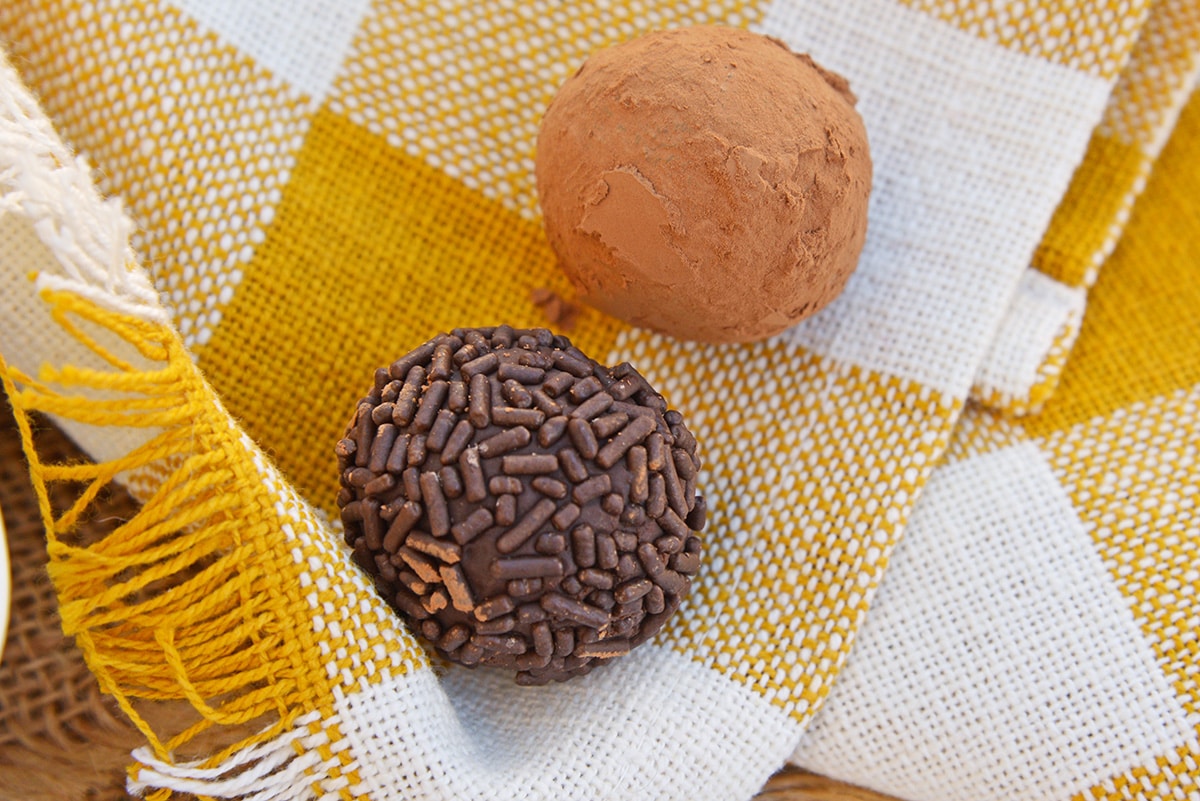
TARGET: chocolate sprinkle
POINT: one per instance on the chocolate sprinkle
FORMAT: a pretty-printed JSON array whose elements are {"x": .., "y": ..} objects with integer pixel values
[
  {"x": 506, "y": 510},
  {"x": 439, "y": 434},
  {"x": 479, "y": 521},
  {"x": 480, "y": 401},
  {"x": 459, "y": 437},
  {"x": 584, "y": 438},
  {"x": 520, "y": 505},
  {"x": 557, "y": 384}
]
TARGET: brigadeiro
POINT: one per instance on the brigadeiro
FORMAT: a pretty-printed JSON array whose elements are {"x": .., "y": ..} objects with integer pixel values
[
  {"x": 520, "y": 505},
  {"x": 705, "y": 182}
]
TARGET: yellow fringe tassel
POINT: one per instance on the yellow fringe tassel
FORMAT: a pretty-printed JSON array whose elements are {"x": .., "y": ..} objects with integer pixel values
[{"x": 181, "y": 602}]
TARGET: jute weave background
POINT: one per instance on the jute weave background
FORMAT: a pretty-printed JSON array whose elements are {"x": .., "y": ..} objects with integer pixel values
[{"x": 60, "y": 737}]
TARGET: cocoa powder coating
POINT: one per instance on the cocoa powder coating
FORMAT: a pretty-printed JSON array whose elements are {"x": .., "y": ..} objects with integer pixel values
[{"x": 705, "y": 182}]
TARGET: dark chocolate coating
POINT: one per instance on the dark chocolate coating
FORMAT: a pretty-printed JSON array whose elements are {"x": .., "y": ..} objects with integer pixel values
[{"x": 518, "y": 504}]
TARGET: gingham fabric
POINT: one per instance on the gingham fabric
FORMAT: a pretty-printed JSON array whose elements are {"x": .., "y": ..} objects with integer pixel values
[
  {"x": 1030, "y": 349},
  {"x": 1036, "y": 633},
  {"x": 299, "y": 192}
]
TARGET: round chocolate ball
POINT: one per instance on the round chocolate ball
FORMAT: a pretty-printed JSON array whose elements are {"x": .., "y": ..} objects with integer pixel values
[
  {"x": 705, "y": 182},
  {"x": 520, "y": 505}
]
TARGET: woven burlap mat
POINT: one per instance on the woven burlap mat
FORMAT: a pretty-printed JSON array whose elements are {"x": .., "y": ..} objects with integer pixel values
[{"x": 60, "y": 737}]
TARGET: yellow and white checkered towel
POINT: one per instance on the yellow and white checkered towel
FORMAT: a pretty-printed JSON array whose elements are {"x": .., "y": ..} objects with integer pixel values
[
  {"x": 1028, "y": 352},
  {"x": 1036, "y": 633},
  {"x": 301, "y": 191}
]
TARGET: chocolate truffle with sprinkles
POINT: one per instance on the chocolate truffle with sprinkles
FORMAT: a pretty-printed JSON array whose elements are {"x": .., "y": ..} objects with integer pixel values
[{"x": 520, "y": 505}]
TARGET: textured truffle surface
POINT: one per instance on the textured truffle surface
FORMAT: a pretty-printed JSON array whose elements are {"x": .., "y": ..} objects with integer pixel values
[
  {"x": 519, "y": 504},
  {"x": 705, "y": 182}
]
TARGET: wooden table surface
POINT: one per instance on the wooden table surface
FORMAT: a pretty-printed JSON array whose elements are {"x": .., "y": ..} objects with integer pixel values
[{"x": 793, "y": 784}]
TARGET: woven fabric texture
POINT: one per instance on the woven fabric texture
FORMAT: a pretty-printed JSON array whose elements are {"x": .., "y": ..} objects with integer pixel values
[
  {"x": 287, "y": 196},
  {"x": 1056, "y": 562},
  {"x": 61, "y": 737},
  {"x": 1031, "y": 347}
]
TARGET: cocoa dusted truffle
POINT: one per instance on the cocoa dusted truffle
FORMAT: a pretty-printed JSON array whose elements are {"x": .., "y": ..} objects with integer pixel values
[
  {"x": 520, "y": 505},
  {"x": 705, "y": 182}
]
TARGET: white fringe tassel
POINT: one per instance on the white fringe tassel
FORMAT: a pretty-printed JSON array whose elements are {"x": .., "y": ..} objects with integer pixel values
[
  {"x": 44, "y": 182},
  {"x": 270, "y": 771}
]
